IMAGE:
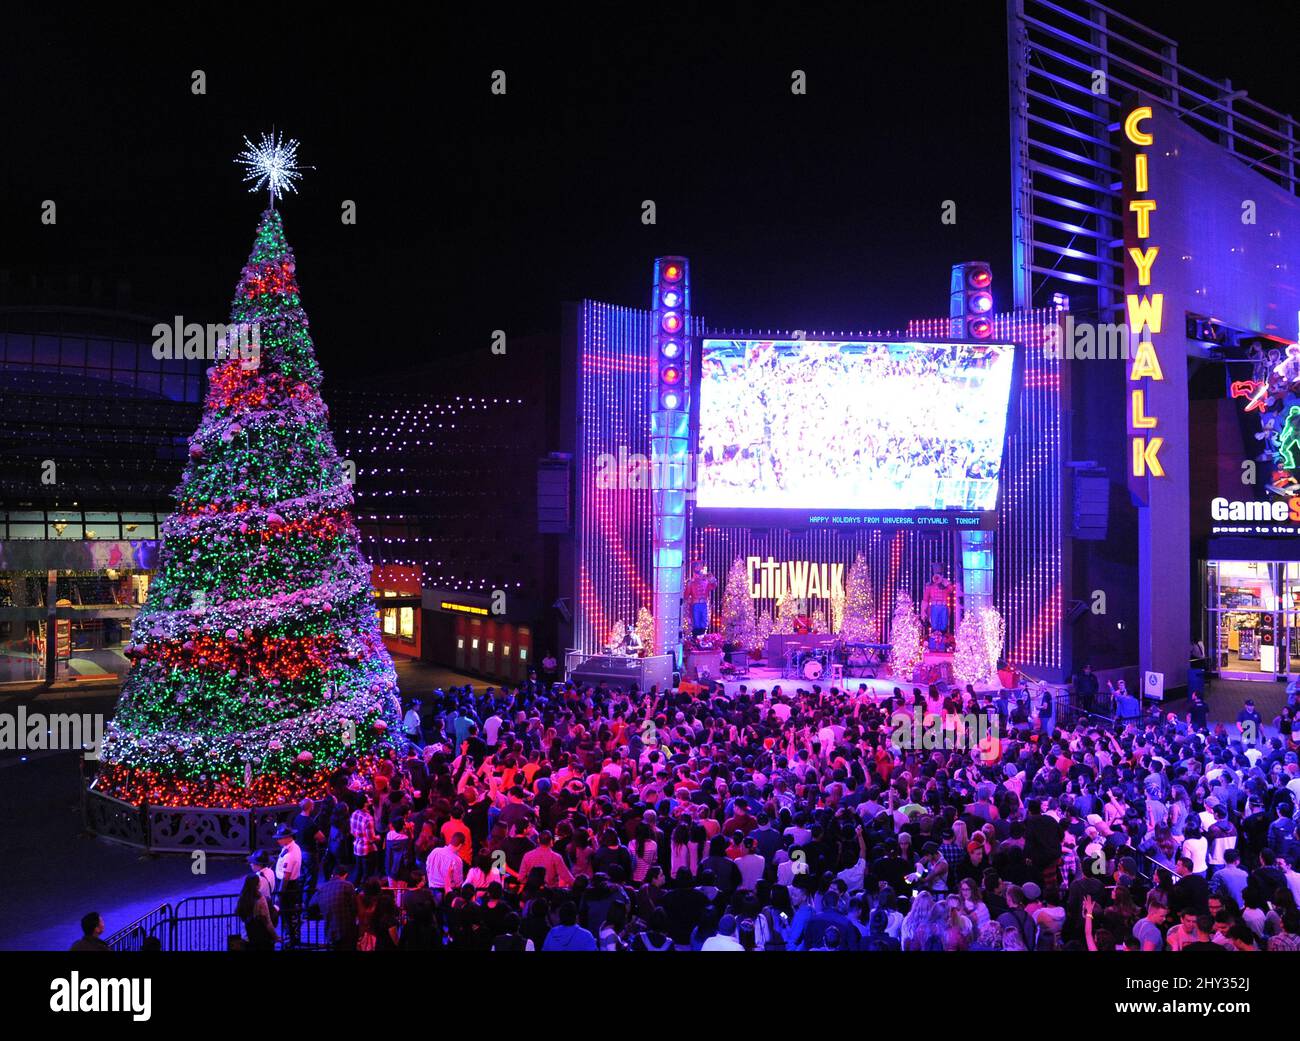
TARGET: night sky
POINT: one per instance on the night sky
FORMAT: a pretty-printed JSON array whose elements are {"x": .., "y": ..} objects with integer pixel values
[{"x": 478, "y": 212}]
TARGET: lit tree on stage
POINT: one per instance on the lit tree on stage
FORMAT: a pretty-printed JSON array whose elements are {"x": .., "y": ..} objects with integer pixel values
[
  {"x": 905, "y": 635},
  {"x": 738, "y": 624},
  {"x": 787, "y": 608},
  {"x": 645, "y": 629},
  {"x": 979, "y": 646},
  {"x": 258, "y": 665},
  {"x": 860, "y": 624},
  {"x": 970, "y": 657}
]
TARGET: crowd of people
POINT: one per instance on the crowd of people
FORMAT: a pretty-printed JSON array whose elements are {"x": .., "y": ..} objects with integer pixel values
[
  {"x": 821, "y": 424},
  {"x": 554, "y": 817}
]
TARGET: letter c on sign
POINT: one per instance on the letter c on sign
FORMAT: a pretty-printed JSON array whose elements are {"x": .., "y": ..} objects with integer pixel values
[{"x": 1131, "y": 131}]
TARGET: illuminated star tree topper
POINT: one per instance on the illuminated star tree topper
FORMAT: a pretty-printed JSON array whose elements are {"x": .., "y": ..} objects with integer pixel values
[{"x": 272, "y": 163}]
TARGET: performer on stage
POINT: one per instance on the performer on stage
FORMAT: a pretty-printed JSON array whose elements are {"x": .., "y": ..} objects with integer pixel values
[
  {"x": 803, "y": 621},
  {"x": 631, "y": 643},
  {"x": 699, "y": 587},
  {"x": 938, "y": 602}
]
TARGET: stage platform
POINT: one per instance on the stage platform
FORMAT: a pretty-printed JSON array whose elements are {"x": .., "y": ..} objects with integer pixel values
[{"x": 761, "y": 677}]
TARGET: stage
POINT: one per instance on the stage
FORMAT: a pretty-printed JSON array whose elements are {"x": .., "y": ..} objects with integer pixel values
[{"x": 761, "y": 677}]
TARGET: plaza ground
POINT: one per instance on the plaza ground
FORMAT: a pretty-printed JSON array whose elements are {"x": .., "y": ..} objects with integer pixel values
[{"x": 55, "y": 873}]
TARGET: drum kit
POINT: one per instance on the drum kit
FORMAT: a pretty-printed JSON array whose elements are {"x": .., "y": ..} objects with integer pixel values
[
  {"x": 807, "y": 663},
  {"x": 814, "y": 663}
]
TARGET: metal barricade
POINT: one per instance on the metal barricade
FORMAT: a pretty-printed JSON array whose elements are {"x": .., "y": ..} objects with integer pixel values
[{"x": 132, "y": 937}]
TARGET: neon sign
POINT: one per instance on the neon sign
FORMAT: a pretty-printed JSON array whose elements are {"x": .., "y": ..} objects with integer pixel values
[{"x": 1144, "y": 311}]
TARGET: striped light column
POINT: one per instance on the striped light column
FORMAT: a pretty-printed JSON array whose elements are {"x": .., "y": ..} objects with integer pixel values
[{"x": 670, "y": 445}]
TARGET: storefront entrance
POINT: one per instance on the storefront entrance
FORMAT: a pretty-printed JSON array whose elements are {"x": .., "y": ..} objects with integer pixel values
[{"x": 1253, "y": 614}]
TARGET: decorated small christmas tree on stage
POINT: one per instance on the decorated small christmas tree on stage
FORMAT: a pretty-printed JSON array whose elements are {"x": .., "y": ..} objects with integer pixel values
[
  {"x": 738, "y": 626},
  {"x": 979, "y": 646},
  {"x": 905, "y": 635},
  {"x": 860, "y": 624},
  {"x": 645, "y": 629},
  {"x": 787, "y": 608},
  {"x": 258, "y": 662},
  {"x": 970, "y": 662}
]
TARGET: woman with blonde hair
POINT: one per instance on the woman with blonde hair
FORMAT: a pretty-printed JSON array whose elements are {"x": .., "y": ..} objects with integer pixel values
[{"x": 918, "y": 923}]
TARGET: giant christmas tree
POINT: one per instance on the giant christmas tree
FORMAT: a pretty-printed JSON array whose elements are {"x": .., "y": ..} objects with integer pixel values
[{"x": 258, "y": 663}]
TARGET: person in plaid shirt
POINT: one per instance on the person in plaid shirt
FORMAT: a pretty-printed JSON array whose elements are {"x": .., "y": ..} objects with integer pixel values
[
  {"x": 337, "y": 902},
  {"x": 365, "y": 841},
  {"x": 951, "y": 850}
]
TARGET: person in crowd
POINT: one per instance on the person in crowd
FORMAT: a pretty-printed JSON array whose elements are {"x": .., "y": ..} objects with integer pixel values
[
  {"x": 288, "y": 884},
  {"x": 253, "y": 911},
  {"x": 336, "y": 901},
  {"x": 567, "y": 934},
  {"x": 92, "y": 931}
]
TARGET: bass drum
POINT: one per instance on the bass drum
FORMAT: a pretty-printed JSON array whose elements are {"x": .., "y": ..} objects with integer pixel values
[{"x": 812, "y": 669}]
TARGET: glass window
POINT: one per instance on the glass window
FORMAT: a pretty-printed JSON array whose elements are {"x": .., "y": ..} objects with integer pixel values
[
  {"x": 1246, "y": 631},
  {"x": 149, "y": 382},
  {"x": 27, "y": 531},
  {"x": 104, "y": 525},
  {"x": 72, "y": 352},
  {"x": 406, "y": 623},
  {"x": 18, "y": 347},
  {"x": 47, "y": 350},
  {"x": 99, "y": 354},
  {"x": 123, "y": 355}
]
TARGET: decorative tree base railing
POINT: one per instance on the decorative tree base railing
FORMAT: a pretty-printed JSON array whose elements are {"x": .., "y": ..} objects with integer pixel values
[{"x": 184, "y": 829}]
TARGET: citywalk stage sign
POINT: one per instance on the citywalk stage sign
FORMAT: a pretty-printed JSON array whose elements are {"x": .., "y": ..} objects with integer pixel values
[
  {"x": 801, "y": 579},
  {"x": 1144, "y": 309}
]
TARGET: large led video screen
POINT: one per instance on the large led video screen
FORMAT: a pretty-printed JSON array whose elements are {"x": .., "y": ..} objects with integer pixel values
[{"x": 825, "y": 432}]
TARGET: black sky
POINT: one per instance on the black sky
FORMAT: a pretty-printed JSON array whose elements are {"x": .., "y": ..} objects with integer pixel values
[{"x": 478, "y": 212}]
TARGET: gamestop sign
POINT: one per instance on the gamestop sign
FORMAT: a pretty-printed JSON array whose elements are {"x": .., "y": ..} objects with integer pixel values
[{"x": 1255, "y": 517}]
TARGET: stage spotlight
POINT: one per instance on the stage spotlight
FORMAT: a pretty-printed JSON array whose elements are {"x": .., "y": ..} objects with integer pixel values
[
  {"x": 671, "y": 298},
  {"x": 671, "y": 374},
  {"x": 969, "y": 297},
  {"x": 672, "y": 272},
  {"x": 671, "y": 401},
  {"x": 671, "y": 349},
  {"x": 671, "y": 322}
]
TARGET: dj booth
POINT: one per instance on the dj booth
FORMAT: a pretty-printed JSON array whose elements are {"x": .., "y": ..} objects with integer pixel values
[{"x": 617, "y": 670}]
